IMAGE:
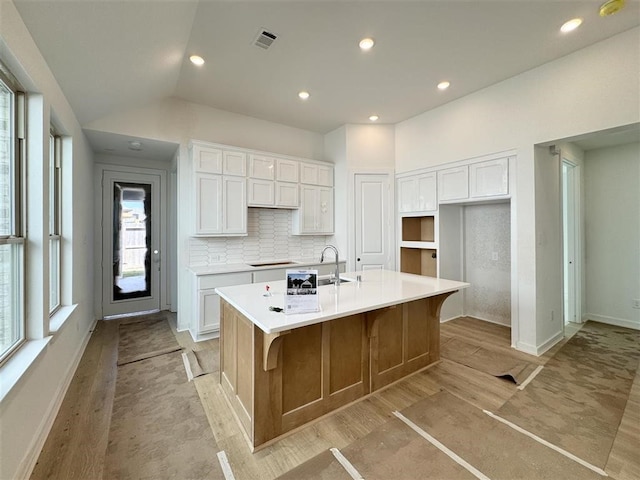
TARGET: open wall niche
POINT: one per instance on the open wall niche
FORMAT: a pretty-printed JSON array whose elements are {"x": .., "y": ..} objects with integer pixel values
[
  {"x": 418, "y": 229},
  {"x": 475, "y": 247},
  {"x": 418, "y": 245},
  {"x": 420, "y": 261}
]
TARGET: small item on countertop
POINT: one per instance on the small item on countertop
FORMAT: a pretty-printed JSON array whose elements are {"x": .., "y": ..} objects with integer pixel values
[
  {"x": 268, "y": 294},
  {"x": 276, "y": 309}
]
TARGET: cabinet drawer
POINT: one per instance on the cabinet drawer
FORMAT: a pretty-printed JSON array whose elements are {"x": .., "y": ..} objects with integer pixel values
[{"x": 223, "y": 280}]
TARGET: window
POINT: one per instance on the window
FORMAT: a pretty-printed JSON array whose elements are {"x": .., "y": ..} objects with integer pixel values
[
  {"x": 55, "y": 151},
  {"x": 12, "y": 325}
]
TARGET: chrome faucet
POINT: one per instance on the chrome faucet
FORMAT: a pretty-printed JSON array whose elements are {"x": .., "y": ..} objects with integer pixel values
[{"x": 335, "y": 250}]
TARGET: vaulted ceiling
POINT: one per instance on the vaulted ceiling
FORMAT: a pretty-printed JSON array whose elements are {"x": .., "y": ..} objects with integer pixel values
[{"x": 110, "y": 56}]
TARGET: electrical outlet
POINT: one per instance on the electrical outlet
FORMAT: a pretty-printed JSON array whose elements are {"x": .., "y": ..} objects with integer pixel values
[
  {"x": 636, "y": 303},
  {"x": 494, "y": 256}
]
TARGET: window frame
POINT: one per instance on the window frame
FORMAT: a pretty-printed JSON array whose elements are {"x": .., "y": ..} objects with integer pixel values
[
  {"x": 15, "y": 236},
  {"x": 55, "y": 223}
]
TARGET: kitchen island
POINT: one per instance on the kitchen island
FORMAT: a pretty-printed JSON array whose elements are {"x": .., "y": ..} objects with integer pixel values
[{"x": 281, "y": 371}]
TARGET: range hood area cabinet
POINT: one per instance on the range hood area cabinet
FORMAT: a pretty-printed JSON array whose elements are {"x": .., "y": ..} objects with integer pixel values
[
  {"x": 272, "y": 182},
  {"x": 227, "y": 180}
]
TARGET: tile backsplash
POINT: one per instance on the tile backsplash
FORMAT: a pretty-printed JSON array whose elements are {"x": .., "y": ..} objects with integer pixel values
[{"x": 269, "y": 238}]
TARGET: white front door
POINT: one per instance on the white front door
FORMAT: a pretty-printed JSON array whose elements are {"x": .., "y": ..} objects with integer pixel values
[
  {"x": 131, "y": 226},
  {"x": 374, "y": 228}
]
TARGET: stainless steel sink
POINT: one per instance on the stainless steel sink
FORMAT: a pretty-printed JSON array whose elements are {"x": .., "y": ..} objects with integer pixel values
[{"x": 331, "y": 281}]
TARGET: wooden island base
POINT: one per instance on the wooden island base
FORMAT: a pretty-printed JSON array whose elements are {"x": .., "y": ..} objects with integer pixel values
[{"x": 277, "y": 382}]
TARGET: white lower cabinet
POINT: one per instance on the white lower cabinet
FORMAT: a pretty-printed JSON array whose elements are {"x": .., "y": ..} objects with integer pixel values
[{"x": 206, "y": 323}]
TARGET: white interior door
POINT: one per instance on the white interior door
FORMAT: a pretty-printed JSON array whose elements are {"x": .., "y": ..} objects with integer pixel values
[
  {"x": 131, "y": 226},
  {"x": 569, "y": 237},
  {"x": 373, "y": 222}
]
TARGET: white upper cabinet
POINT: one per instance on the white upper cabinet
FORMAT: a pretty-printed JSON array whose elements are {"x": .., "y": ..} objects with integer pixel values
[
  {"x": 488, "y": 179},
  {"x": 208, "y": 211},
  {"x": 315, "y": 174},
  {"x": 234, "y": 163},
  {"x": 234, "y": 206},
  {"x": 453, "y": 184},
  {"x": 286, "y": 195},
  {"x": 220, "y": 191},
  {"x": 262, "y": 167},
  {"x": 261, "y": 193},
  {"x": 286, "y": 170},
  {"x": 417, "y": 193},
  {"x": 206, "y": 159},
  {"x": 315, "y": 215}
]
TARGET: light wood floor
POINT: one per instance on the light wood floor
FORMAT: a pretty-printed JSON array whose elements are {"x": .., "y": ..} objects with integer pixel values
[{"x": 77, "y": 443}]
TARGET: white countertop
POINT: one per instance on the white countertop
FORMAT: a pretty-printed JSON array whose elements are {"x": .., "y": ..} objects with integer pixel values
[
  {"x": 378, "y": 289},
  {"x": 246, "y": 267}
]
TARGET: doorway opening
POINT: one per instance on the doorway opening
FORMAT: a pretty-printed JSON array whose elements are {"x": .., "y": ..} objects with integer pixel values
[
  {"x": 131, "y": 238},
  {"x": 570, "y": 237}
]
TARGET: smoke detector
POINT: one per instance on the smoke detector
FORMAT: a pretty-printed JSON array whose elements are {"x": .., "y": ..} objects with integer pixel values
[
  {"x": 264, "y": 39},
  {"x": 611, "y": 6}
]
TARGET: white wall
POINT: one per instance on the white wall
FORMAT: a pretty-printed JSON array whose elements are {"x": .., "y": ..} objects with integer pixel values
[
  {"x": 590, "y": 90},
  {"x": 335, "y": 151},
  {"x": 175, "y": 120},
  {"x": 612, "y": 183},
  {"x": 28, "y": 410},
  {"x": 548, "y": 248},
  {"x": 357, "y": 149}
]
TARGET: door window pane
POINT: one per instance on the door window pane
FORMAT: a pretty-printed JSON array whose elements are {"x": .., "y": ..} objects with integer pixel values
[{"x": 131, "y": 240}]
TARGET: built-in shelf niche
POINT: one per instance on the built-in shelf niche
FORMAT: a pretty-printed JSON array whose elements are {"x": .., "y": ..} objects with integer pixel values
[
  {"x": 419, "y": 261},
  {"x": 418, "y": 229}
]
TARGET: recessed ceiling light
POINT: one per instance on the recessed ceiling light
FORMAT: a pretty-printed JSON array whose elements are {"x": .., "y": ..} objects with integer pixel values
[
  {"x": 571, "y": 25},
  {"x": 611, "y": 6},
  {"x": 374, "y": 118},
  {"x": 367, "y": 44},
  {"x": 443, "y": 85},
  {"x": 196, "y": 60},
  {"x": 303, "y": 95}
]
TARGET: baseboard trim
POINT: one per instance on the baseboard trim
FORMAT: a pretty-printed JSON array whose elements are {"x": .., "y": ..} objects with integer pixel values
[
  {"x": 541, "y": 349},
  {"x": 618, "y": 322},
  {"x": 31, "y": 458}
]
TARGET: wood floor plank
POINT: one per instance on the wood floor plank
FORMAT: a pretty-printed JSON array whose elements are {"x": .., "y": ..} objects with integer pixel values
[
  {"x": 76, "y": 446},
  {"x": 77, "y": 443}
]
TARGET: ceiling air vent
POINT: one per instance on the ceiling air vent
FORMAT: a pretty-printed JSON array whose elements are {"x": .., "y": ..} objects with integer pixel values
[{"x": 264, "y": 39}]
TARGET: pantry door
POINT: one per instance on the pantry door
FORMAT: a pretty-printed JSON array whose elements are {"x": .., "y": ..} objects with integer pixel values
[
  {"x": 131, "y": 224},
  {"x": 374, "y": 228}
]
